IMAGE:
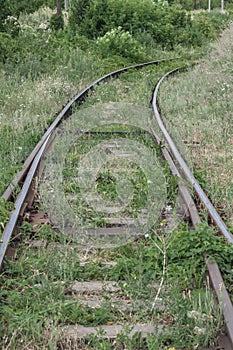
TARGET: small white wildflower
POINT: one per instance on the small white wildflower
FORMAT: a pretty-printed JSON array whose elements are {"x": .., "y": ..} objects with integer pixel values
[
  {"x": 168, "y": 208},
  {"x": 42, "y": 26},
  {"x": 199, "y": 330},
  {"x": 192, "y": 314}
]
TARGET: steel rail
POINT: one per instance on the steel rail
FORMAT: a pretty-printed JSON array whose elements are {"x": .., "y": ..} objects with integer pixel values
[
  {"x": 65, "y": 112},
  {"x": 36, "y": 154},
  {"x": 34, "y": 162},
  {"x": 184, "y": 193},
  {"x": 10, "y": 227},
  {"x": 223, "y": 297},
  {"x": 213, "y": 271},
  {"x": 183, "y": 165}
]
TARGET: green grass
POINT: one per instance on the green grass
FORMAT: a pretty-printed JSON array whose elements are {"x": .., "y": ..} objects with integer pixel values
[
  {"x": 35, "y": 298},
  {"x": 106, "y": 182},
  {"x": 197, "y": 107},
  {"x": 35, "y": 292}
]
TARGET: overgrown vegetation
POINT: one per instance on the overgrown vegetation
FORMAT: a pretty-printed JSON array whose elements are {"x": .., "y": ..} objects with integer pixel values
[
  {"x": 166, "y": 25},
  {"x": 35, "y": 272},
  {"x": 199, "y": 108},
  {"x": 94, "y": 25},
  {"x": 44, "y": 60}
]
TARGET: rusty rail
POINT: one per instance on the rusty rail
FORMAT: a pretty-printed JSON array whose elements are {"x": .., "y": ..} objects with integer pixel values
[
  {"x": 214, "y": 273},
  {"x": 184, "y": 167},
  {"x": 33, "y": 161},
  {"x": 66, "y": 112},
  {"x": 19, "y": 203}
]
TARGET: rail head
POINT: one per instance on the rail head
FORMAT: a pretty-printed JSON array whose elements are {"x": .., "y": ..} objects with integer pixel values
[
  {"x": 32, "y": 162},
  {"x": 10, "y": 227},
  {"x": 35, "y": 158},
  {"x": 183, "y": 165},
  {"x": 66, "y": 110}
]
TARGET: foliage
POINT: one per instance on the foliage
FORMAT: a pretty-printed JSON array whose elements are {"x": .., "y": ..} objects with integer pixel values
[
  {"x": 199, "y": 4},
  {"x": 11, "y": 26},
  {"x": 5, "y": 11},
  {"x": 15, "y": 8},
  {"x": 100, "y": 16},
  {"x": 168, "y": 25},
  {"x": 118, "y": 25},
  {"x": 5, "y": 207},
  {"x": 8, "y": 47},
  {"x": 119, "y": 42},
  {"x": 56, "y": 22},
  {"x": 188, "y": 260},
  {"x": 25, "y": 6},
  {"x": 209, "y": 25}
]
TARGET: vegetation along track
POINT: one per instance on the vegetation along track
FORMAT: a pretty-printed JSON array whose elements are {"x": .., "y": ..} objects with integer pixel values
[{"x": 109, "y": 230}]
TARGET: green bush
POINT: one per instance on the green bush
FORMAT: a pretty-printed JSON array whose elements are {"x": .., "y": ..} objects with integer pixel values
[
  {"x": 207, "y": 26},
  {"x": 167, "y": 25},
  {"x": 25, "y": 6},
  {"x": 97, "y": 17},
  {"x": 56, "y": 22},
  {"x": 119, "y": 42},
  {"x": 8, "y": 46},
  {"x": 5, "y": 11},
  {"x": 11, "y": 26}
]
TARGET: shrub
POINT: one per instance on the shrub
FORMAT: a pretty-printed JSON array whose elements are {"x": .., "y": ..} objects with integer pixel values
[
  {"x": 206, "y": 26},
  {"x": 97, "y": 17},
  {"x": 25, "y": 6},
  {"x": 7, "y": 46},
  {"x": 94, "y": 18},
  {"x": 119, "y": 42},
  {"x": 11, "y": 26},
  {"x": 56, "y": 22},
  {"x": 5, "y": 11}
]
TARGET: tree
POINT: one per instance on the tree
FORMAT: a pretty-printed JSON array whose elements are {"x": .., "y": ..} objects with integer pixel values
[
  {"x": 222, "y": 5},
  {"x": 67, "y": 4},
  {"x": 57, "y": 20},
  {"x": 5, "y": 11},
  {"x": 58, "y": 7}
]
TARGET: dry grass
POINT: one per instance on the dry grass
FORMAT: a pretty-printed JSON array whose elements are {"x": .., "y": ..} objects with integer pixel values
[{"x": 198, "y": 105}]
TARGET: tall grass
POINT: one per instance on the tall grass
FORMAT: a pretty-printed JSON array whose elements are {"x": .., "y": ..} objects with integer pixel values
[
  {"x": 199, "y": 105},
  {"x": 35, "y": 89}
]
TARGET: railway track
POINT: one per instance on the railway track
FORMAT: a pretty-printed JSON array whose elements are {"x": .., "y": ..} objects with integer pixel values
[{"x": 32, "y": 172}]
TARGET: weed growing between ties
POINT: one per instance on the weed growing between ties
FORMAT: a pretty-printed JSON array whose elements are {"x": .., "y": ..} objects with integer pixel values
[
  {"x": 31, "y": 314},
  {"x": 162, "y": 276},
  {"x": 106, "y": 182},
  {"x": 31, "y": 97}
]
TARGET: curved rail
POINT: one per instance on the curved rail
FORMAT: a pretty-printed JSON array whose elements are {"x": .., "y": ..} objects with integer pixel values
[
  {"x": 64, "y": 113},
  {"x": 33, "y": 162},
  {"x": 10, "y": 227},
  {"x": 34, "y": 158},
  {"x": 184, "y": 167}
]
